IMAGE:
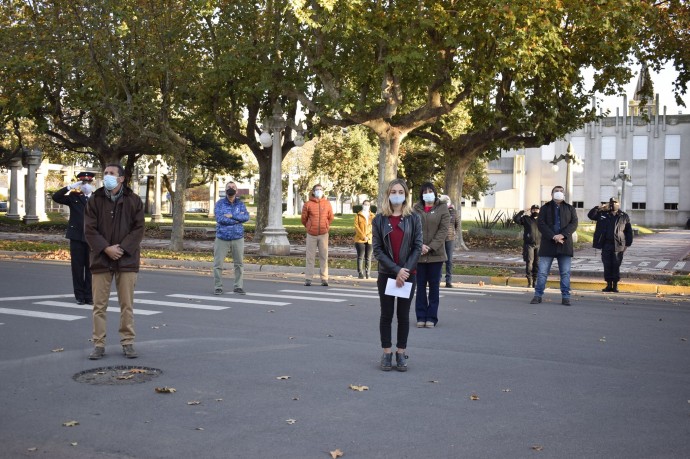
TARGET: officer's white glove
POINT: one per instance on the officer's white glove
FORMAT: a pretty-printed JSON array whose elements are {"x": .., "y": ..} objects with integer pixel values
[{"x": 74, "y": 185}]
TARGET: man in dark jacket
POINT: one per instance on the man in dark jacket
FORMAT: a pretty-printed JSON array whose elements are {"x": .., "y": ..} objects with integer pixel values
[
  {"x": 612, "y": 235},
  {"x": 114, "y": 228},
  {"x": 557, "y": 222},
  {"x": 530, "y": 239},
  {"x": 75, "y": 196},
  {"x": 231, "y": 214}
]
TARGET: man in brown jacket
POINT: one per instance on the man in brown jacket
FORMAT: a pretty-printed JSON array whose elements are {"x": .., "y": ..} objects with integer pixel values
[
  {"x": 114, "y": 228},
  {"x": 317, "y": 215}
]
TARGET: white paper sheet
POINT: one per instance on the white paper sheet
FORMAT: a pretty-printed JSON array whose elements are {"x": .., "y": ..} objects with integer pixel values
[{"x": 401, "y": 292}]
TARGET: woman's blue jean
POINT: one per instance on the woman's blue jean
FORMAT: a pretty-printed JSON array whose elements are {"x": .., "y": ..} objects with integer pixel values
[
  {"x": 426, "y": 307},
  {"x": 563, "y": 269}
]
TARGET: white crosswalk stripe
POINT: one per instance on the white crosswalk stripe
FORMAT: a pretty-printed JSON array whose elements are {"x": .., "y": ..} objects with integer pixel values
[
  {"x": 297, "y": 297},
  {"x": 662, "y": 264},
  {"x": 61, "y": 304},
  {"x": 36, "y": 297},
  {"x": 42, "y": 315},
  {"x": 181, "y": 305},
  {"x": 331, "y": 293},
  {"x": 678, "y": 266},
  {"x": 227, "y": 299}
]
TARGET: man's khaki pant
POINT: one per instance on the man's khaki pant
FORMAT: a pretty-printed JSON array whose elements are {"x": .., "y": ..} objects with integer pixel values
[
  {"x": 220, "y": 251},
  {"x": 125, "y": 283},
  {"x": 314, "y": 242}
]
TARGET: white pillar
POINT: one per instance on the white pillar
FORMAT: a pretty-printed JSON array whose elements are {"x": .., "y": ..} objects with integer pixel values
[
  {"x": 14, "y": 211},
  {"x": 156, "y": 216},
  {"x": 41, "y": 193},
  {"x": 212, "y": 193},
  {"x": 290, "y": 197},
  {"x": 33, "y": 161},
  {"x": 274, "y": 240}
]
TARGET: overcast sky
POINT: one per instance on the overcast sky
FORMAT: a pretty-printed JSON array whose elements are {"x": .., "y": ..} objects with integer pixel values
[{"x": 663, "y": 83}]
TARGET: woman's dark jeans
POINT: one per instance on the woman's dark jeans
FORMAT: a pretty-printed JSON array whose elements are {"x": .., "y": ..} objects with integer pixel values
[
  {"x": 427, "y": 307},
  {"x": 388, "y": 309},
  {"x": 364, "y": 250}
]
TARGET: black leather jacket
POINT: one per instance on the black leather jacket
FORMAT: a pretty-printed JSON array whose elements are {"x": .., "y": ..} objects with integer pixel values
[{"x": 411, "y": 247}]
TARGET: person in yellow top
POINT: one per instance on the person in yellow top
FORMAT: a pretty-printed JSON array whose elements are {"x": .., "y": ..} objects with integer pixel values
[{"x": 363, "y": 240}]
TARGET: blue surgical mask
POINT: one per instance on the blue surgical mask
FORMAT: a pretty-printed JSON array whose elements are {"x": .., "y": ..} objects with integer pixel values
[
  {"x": 110, "y": 182},
  {"x": 318, "y": 194},
  {"x": 397, "y": 199},
  {"x": 429, "y": 197}
]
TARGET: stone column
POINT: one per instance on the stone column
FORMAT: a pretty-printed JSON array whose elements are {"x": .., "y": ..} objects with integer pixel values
[
  {"x": 15, "y": 167},
  {"x": 41, "y": 193},
  {"x": 213, "y": 187},
  {"x": 156, "y": 216},
  {"x": 290, "y": 211},
  {"x": 31, "y": 160},
  {"x": 274, "y": 240}
]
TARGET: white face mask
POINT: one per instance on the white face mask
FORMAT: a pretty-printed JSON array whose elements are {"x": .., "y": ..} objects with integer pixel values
[
  {"x": 429, "y": 197},
  {"x": 365, "y": 209},
  {"x": 397, "y": 199},
  {"x": 110, "y": 182},
  {"x": 558, "y": 196},
  {"x": 86, "y": 189},
  {"x": 318, "y": 194}
]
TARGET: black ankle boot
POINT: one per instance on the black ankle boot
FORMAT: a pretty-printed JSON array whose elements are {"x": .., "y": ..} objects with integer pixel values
[
  {"x": 400, "y": 363},
  {"x": 609, "y": 287},
  {"x": 387, "y": 361},
  {"x": 614, "y": 286}
]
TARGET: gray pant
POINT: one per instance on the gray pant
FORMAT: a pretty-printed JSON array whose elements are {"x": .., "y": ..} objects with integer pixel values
[{"x": 220, "y": 251}]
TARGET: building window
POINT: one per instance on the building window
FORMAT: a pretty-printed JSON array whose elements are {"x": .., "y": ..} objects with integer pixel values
[
  {"x": 579, "y": 204},
  {"x": 670, "y": 206},
  {"x": 474, "y": 204},
  {"x": 672, "y": 147},
  {"x": 639, "y": 205},
  {"x": 640, "y": 147},
  {"x": 608, "y": 147}
]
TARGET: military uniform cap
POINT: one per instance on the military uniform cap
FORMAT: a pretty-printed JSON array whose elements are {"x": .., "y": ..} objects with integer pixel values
[{"x": 88, "y": 176}]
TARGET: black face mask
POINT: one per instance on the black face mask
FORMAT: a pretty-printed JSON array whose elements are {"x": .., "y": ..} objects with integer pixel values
[
  {"x": 535, "y": 214},
  {"x": 230, "y": 192}
]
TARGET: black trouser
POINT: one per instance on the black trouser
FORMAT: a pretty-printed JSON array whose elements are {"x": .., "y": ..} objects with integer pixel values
[
  {"x": 364, "y": 250},
  {"x": 387, "y": 310},
  {"x": 612, "y": 262},
  {"x": 81, "y": 273},
  {"x": 530, "y": 254}
]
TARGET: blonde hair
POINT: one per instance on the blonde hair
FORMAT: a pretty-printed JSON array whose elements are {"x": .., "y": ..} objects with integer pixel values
[{"x": 387, "y": 209}]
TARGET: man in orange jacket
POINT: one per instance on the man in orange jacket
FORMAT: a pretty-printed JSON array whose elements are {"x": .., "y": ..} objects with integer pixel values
[{"x": 317, "y": 215}]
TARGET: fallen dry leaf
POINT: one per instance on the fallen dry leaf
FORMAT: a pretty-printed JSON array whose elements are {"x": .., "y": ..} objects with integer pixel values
[
  {"x": 506, "y": 390},
  {"x": 481, "y": 283},
  {"x": 70, "y": 423},
  {"x": 358, "y": 388},
  {"x": 683, "y": 339},
  {"x": 199, "y": 428},
  {"x": 125, "y": 377},
  {"x": 60, "y": 349},
  {"x": 472, "y": 301},
  {"x": 31, "y": 450},
  {"x": 283, "y": 377},
  {"x": 433, "y": 381},
  {"x": 337, "y": 453},
  {"x": 291, "y": 337},
  {"x": 165, "y": 390},
  {"x": 271, "y": 310},
  {"x": 138, "y": 370},
  {"x": 74, "y": 443},
  {"x": 219, "y": 400},
  {"x": 295, "y": 398},
  {"x": 194, "y": 402},
  {"x": 291, "y": 421},
  {"x": 474, "y": 397},
  {"x": 537, "y": 447},
  {"x": 602, "y": 339},
  {"x": 100, "y": 372}
]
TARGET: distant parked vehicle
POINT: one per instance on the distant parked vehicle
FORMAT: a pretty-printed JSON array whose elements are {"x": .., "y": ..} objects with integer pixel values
[
  {"x": 197, "y": 210},
  {"x": 3, "y": 206}
]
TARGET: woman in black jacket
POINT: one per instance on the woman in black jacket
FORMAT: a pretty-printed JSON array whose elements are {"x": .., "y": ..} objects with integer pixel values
[
  {"x": 612, "y": 235},
  {"x": 397, "y": 242}
]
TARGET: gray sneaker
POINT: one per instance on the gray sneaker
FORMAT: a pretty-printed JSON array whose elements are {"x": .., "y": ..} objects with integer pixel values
[
  {"x": 97, "y": 353},
  {"x": 128, "y": 350},
  {"x": 240, "y": 291}
]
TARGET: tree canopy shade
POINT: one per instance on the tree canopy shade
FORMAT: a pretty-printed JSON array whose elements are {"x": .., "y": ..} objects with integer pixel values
[{"x": 516, "y": 67}]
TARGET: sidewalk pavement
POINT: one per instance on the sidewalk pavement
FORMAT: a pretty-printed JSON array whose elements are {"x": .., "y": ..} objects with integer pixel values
[{"x": 647, "y": 265}]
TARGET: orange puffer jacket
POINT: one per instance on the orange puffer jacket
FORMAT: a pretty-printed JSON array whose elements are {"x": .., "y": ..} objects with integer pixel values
[{"x": 317, "y": 215}]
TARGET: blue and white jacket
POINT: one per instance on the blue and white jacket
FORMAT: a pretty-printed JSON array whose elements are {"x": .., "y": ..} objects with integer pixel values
[{"x": 229, "y": 229}]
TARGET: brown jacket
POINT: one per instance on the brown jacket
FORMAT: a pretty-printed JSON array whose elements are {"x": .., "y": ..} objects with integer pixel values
[
  {"x": 108, "y": 223},
  {"x": 434, "y": 231},
  {"x": 363, "y": 227},
  {"x": 317, "y": 215}
]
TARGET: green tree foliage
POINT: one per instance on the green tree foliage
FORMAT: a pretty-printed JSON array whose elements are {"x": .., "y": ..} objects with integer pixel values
[{"x": 348, "y": 158}]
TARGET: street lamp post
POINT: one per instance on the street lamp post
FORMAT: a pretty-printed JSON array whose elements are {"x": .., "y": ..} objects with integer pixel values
[
  {"x": 274, "y": 240},
  {"x": 626, "y": 179},
  {"x": 573, "y": 164}
]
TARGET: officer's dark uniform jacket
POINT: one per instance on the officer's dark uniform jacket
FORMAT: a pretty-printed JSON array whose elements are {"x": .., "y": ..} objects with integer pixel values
[
  {"x": 617, "y": 225},
  {"x": 546, "y": 221},
  {"x": 410, "y": 249},
  {"x": 76, "y": 203},
  {"x": 531, "y": 236},
  {"x": 108, "y": 223}
]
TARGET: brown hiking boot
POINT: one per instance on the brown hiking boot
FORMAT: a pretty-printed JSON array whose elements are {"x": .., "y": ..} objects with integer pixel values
[
  {"x": 97, "y": 353},
  {"x": 128, "y": 350}
]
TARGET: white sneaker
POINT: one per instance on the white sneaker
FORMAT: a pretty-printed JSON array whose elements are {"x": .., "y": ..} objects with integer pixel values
[
  {"x": 420, "y": 324},
  {"x": 430, "y": 325}
]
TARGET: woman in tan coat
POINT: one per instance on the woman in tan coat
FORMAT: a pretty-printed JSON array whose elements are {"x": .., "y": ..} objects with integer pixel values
[
  {"x": 435, "y": 222},
  {"x": 363, "y": 240}
]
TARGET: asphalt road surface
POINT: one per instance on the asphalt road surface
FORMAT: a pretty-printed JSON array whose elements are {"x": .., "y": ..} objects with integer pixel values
[{"x": 268, "y": 375}]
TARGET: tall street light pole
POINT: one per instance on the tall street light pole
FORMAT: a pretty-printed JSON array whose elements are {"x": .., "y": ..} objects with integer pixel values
[
  {"x": 573, "y": 164},
  {"x": 274, "y": 240}
]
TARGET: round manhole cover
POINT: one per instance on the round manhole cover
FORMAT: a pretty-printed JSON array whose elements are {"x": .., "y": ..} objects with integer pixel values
[{"x": 122, "y": 374}]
